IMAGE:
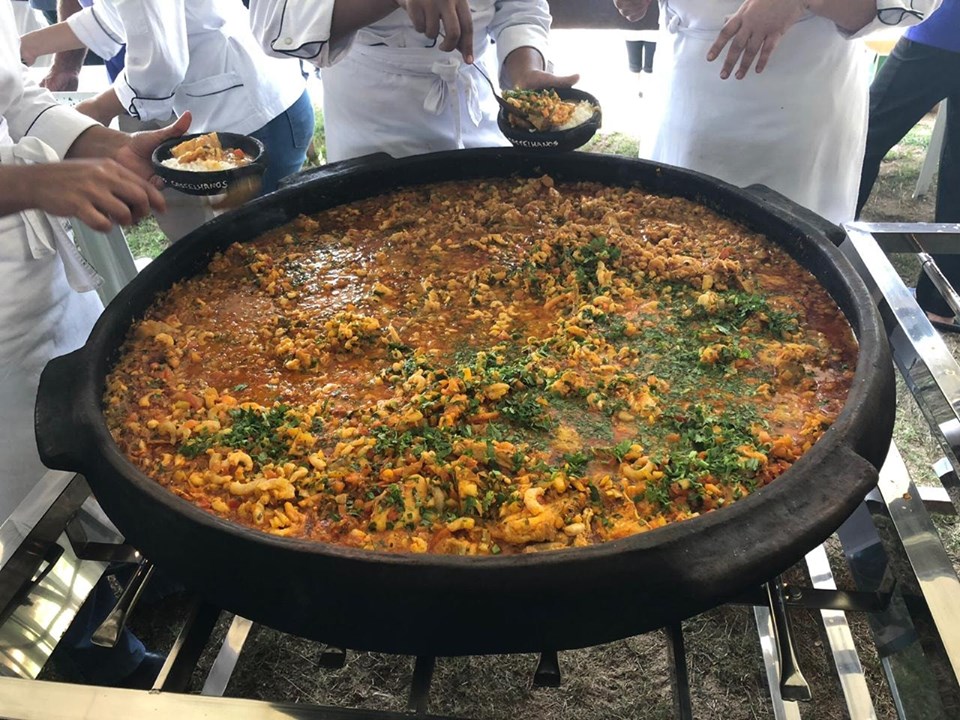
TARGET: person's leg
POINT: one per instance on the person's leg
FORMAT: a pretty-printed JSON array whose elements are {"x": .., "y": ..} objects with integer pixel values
[
  {"x": 79, "y": 660},
  {"x": 286, "y": 139},
  {"x": 948, "y": 176},
  {"x": 635, "y": 55},
  {"x": 649, "y": 48},
  {"x": 948, "y": 211},
  {"x": 908, "y": 85}
]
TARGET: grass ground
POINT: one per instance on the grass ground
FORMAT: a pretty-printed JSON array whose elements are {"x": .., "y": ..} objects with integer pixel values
[{"x": 625, "y": 679}]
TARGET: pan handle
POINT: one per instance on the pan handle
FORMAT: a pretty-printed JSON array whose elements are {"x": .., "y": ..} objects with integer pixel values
[{"x": 62, "y": 433}]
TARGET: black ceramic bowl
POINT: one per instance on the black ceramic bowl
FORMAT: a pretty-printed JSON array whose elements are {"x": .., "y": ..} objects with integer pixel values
[
  {"x": 559, "y": 140},
  {"x": 195, "y": 182}
]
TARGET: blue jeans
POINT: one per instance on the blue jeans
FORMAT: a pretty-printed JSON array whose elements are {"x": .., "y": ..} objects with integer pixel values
[
  {"x": 79, "y": 660},
  {"x": 286, "y": 139}
]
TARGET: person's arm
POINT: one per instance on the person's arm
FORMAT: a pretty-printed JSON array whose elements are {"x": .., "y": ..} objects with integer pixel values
[
  {"x": 849, "y": 15},
  {"x": 103, "y": 108},
  {"x": 754, "y": 31},
  {"x": 633, "y": 10},
  {"x": 106, "y": 178},
  {"x": 99, "y": 192},
  {"x": 348, "y": 16},
  {"x": 157, "y": 57},
  {"x": 132, "y": 151},
  {"x": 320, "y": 31},
  {"x": 64, "y": 74},
  {"x": 46, "y": 41},
  {"x": 520, "y": 30},
  {"x": 885, "y": 13}
]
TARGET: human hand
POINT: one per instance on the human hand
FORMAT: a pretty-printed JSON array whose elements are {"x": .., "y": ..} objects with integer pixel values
[
  {"x": 539, "y": 79},
  {"x": 454, "y": 15},
  {"x": 135, "y": 149},
  {"x": 60, "y": 80},
  {"x": 633, "y": 10},
  {"x": 523, "y": 69},
  {"x": 100, "y": 192},
  {"x": 756, "y": 27},
  {"x": 28, "y": 48}
]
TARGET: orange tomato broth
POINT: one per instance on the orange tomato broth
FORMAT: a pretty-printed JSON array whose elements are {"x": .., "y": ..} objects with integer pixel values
[{"x": 480, "y": 368}]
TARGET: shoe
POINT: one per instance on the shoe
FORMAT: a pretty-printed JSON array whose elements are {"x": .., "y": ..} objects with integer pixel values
[
  {"x": 950, "y": 327},
  {"x": 938, "y": 321},
  {"x": 142, "y": 678}
]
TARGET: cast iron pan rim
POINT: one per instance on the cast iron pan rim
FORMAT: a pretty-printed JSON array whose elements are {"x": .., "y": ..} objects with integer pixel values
[{"x": 832, "y": 442}]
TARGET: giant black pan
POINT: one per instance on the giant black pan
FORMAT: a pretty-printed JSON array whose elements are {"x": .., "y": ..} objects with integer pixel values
[{"x": 465, "y": 605}]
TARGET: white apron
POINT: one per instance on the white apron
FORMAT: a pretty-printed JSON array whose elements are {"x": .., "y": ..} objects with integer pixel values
[
  {"x": 41, "y": 317},
  {"x": 406, "y": 101},
  {"x": 799, "y": 127}
]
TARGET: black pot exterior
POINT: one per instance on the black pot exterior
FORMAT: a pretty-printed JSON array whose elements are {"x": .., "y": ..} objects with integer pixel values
[
  {"x": 559, "y": 140},
  {"x": 441, "y": 605}
]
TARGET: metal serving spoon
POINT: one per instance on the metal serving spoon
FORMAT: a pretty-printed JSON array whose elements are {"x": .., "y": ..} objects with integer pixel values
[{"x": 507, "y": 107}]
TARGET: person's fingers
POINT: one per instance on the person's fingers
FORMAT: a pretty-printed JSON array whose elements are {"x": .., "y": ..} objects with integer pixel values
[
  {"x": 451, "y": 28},
  {"x": 135, "y": 194},
  {"x": 737, "y": 46},
  {"x": 749, "y": 53},
  {"x": 466, "y": 31},
  {"x": 431, "y": 28},
  {"x": 176, "y": 129},
  {"x": 418, "y": 17},
  {"x": 154, "y": 196},
  {"x": 769, "y": 45},
  {"x": 141, "y": 195},
  {"x": 727, "y": 33},
  {"x": 538, "y": 80},
  {"x": 566, "y": 80},
  {"x": 93, "y": 218},
  {"x": 111, "y": 203}
]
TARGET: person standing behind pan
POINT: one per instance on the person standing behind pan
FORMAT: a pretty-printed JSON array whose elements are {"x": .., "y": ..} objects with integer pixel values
[
  {"x": 797, "y": 124},
  {"x": 922, "y": 70},
  {"x": 192, "y": 56},
  {"x": 390, "y": 82}
]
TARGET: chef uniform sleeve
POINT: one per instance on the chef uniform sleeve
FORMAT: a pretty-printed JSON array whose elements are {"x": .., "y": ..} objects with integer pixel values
[
  {"x": 38, "y": 114},
  {"x": 521, "y": 23},
  {"x": 157, "y": 57},
  {"x": 295, "y": 28}
]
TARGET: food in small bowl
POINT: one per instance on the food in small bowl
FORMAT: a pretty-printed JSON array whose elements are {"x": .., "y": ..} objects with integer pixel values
[
  {"x": 550, "y": 119},
  {"x": 207, "y": 164},
  {"x": 205, "y": 154}
]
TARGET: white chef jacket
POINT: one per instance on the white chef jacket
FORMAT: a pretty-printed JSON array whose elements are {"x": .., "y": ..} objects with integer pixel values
[
  {"x": 41, "y": 315},
  {"x": 798, "y": 127},
  {"x": 190, "y": 56},
  {"x": 387, "y": 87}
]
